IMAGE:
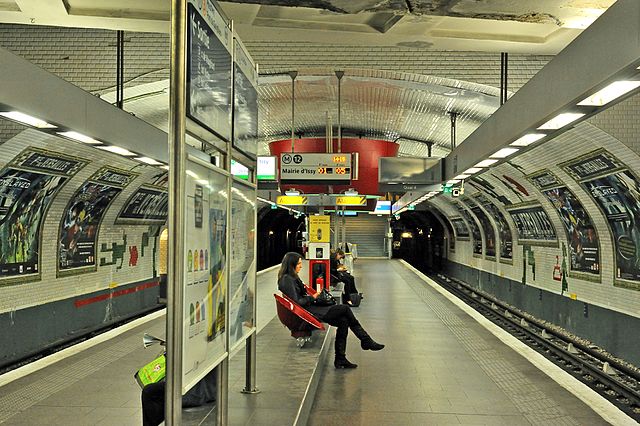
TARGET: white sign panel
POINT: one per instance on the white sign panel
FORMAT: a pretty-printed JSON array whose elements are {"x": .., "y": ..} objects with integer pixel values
[
  {"x": 204, "y": 272},
  {"x": 322, "y": 168}
]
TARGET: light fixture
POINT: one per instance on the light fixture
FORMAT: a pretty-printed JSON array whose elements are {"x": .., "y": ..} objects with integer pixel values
[
  {"x": 406, "y": 235},
  {"x": 164, "y": 167},
  {"x": 27, "y": 119},
  {"x": 561, "y": 120},
  {"x": 149, "y": 161},
  {"x": 486, "y": 163},
  {"x": 117, "y": 150},
  {"x": 80, "y": 137},
  {"x": 609, "y": 93},
  {"x": 351, "y": 192},
  {"x": 472, "y": 170},
  {"x": 193, "y": 174},
  {"x": 504, "y": 152},
  {"x": 528, "y": 139},
  {"x": 292, "y": 192},
  {"x": 461, "y": 177},
  {"x": 452, "y": 181}
]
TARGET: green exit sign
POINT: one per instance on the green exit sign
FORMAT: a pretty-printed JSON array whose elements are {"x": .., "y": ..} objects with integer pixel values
[
  {"x": 447, "y": 189},
  {"x": 411, "y": 207},
  {"x": 274, "y": 207}
]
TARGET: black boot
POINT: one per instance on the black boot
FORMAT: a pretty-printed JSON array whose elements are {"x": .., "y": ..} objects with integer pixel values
[
  {"x": 341, "y": 360},
  {"x": 366, "y": 342}
]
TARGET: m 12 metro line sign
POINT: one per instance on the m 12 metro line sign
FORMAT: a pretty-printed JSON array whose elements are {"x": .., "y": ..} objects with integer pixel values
[{"x": 333, "y": 168}]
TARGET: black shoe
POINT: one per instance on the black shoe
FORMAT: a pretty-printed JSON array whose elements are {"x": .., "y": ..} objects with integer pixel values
[
  {"x": 370, "y": 345},
  {"x": 344, "y": 363}
]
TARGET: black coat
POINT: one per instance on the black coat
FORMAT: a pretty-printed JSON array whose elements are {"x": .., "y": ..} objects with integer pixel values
[{"x": 293, "y": 288}]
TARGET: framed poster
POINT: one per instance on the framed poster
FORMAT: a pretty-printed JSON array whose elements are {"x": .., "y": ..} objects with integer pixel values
[
  {"x": 242, "y": 273},
  {"x": 475, "y": 230},
  {"x": 28, "y": 185},
  {"x": 148, "y": 205},
  {"x": 205, "y": 271},
  {"x": 209, "y": 68},
  {"x": 462, "y": 231},
  {"x": 504, "y": 230},
  {"x": 81, "y": 219},
  {"x": 245, "y": 102},
  {"x": 616, "y": 191},
  {"x": 487, "y": 228},
  {"x": 582, "y": 236},
  {"x": 533, "y": 225}
]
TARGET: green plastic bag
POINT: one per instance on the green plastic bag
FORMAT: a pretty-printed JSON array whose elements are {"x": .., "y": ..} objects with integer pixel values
[{"x": 152, "y": 372}]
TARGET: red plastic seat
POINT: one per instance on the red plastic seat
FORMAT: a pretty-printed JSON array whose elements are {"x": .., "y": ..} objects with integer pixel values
[{"x": 297, "y": 319}]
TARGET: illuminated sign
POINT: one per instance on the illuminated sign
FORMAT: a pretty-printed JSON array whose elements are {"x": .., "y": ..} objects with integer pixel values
[
  {"x": 315, "y": 168},
  {"x": 383, "y": 207},
  {"x": 358, "y": 200},
  {"x": 266, "y": 168},
  {"x": 239, "y": 171},
  {"x": 292, "y": 200}
]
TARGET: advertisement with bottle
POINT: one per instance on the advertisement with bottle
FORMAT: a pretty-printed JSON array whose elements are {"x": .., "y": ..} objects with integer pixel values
[{"x": 205, "y": 271}]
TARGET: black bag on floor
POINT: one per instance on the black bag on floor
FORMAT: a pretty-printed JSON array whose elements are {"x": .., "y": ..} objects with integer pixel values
[{"x": 355, "y": 299}]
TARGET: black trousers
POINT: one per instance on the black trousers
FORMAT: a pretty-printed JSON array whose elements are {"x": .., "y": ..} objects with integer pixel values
[
  {"x": 342, "y": 317},
  {"x": 153, "y": 404},
  {"x": 349, "y": 282}
]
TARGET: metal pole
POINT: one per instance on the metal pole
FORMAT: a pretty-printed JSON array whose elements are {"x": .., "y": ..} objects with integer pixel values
[
  {"x": 339, "y": 74},
  {"x": 250, "y": 345},
  {"x": 454, "y": 116},
  {"x": 177, "y": 163},
  {"x": 293, "y": 75}
]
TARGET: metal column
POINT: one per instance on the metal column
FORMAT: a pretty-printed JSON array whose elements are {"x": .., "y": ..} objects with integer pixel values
[{"x": 177, "y": 122}]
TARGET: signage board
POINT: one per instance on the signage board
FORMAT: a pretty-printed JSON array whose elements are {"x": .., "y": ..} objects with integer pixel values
[
  {"x": 357, "y": 200},
  {"x": 383, "y": 207},
  {"x": 409, "y": 170},
  {"x": 315, "y": 168},
  {"x": 245, "y": 118},
  {"x": 239, "y": 170},
  {"x": 319, "y": 229},
  {"x": 292, "y": 200},
  {"x": 266, "y": 168}
]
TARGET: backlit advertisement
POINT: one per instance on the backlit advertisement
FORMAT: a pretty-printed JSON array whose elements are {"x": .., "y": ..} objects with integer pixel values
[
  {"x": 533, "y": 225},
  {"x": 504, "y": 230},
  {"x": 475, "y": 230}
]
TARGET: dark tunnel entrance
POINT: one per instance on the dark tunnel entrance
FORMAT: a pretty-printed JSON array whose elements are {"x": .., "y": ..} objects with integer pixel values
[
  {"x": 419, "y": 238},
  {"x": 279, "y": 231}
]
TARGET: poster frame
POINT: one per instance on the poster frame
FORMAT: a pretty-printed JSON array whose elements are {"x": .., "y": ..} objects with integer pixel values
[
  {"x": 15, "y": 164},
  {"x": 236, "y": 66},
  {"x": 477, "y": 198},
  {"x": 529, "y": 242},
  {"x": 60, "y": 273},
  {"x": 215, "y": 362},
  {"x": 254, "y": 328}
]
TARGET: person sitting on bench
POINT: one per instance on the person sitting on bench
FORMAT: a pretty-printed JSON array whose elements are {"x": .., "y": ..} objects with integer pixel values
[
  {"x": 340, "y": 316},
  {"x": 340, "y": 272}
]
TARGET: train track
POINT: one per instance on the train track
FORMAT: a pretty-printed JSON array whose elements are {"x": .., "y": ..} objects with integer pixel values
[{"x": 612, "y": 379}]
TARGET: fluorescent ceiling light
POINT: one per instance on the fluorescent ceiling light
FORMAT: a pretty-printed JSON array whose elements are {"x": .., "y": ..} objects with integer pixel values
[
  {"x": 27, "y": 119},
  {"x": 527, "y": 140},
  {"x": 117, "y": 150},
  {"x": 504, "y": 152},
  {"x": 165, "y": 167},
  {"x": 193, "y": 174},
  {"x": 486, "y": 163},
  {"x": 460, "y": 177},
  {"x": 609, "y": 93},
  {"x": 80, "y": 137},
  {"x": 452, "y": 181},
  {"x": 586, "y": 17},
  {"x": 561, "y": 120},
  {"x": 149, "y": 161},
  {"x": 472, "y": 170}
]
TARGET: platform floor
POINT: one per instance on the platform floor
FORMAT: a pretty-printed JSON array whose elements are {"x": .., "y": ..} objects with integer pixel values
[{"x": 440, "y": 366}]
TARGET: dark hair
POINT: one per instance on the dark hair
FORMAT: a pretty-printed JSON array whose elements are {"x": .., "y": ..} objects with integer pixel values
[
  {"x": 339, "y": 252},
  {"x": 288, "y": 266}
]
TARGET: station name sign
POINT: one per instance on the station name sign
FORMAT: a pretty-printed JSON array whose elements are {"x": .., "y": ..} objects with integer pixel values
[{"x": 315, "y": 168}]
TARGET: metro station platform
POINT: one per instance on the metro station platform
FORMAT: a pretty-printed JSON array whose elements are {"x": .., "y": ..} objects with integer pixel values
[{"x": 439, "y": 366}]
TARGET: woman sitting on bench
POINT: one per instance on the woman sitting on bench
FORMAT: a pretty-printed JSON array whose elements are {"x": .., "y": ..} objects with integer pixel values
[
  {"x": 340, "y": 316},
  {"x": 340, "y": 272}
]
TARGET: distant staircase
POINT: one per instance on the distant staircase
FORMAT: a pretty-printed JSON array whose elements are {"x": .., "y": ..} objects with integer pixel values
[{"x": 368, "y": 232}]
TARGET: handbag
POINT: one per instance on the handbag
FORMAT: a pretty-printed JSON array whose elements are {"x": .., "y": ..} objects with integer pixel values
[
  {"x": 354, "y": 298},
  {"x": 324, "y": 299},
  {"x": 152, "y": 372}
]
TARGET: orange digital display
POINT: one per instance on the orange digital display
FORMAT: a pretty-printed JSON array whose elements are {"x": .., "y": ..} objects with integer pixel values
[
  {"x": 341, "y": 170},
  {"x": 322, "y": 170},
  {"x": 339, "y": 158}
]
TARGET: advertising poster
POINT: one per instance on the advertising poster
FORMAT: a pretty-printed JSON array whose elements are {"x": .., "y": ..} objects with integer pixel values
[
  {"x": 487, "y": 228},
  {"x": 616, "y": 191},
  {"x": 27, "y": 186},
  {"x": 245, "y": 118},
  {"x": 475, "y": 231},
  {"x": 533, "y": 224},
  {"x": 581, "y": 234},
  {"x": 148, "y": 205},
  {"x": 83, "y": 214},
  {"x": 208, "y": 68},
  {"x": 205, "y": 272},
  {"x": 242, "y": 278},
  {"x": 504, "y": 230},
  {"x": 462, "y": 232}
]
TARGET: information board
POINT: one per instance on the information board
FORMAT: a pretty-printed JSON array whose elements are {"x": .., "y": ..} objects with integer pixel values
[
  {"x": 242, "y": 280},
  {"x": 245, "y": 117},
  {"x": 205, "y": 272},
  {"x": 315, "y": 168},
  {"x": 319, "y": 229},
  {"x": 209, "y": 68}
]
